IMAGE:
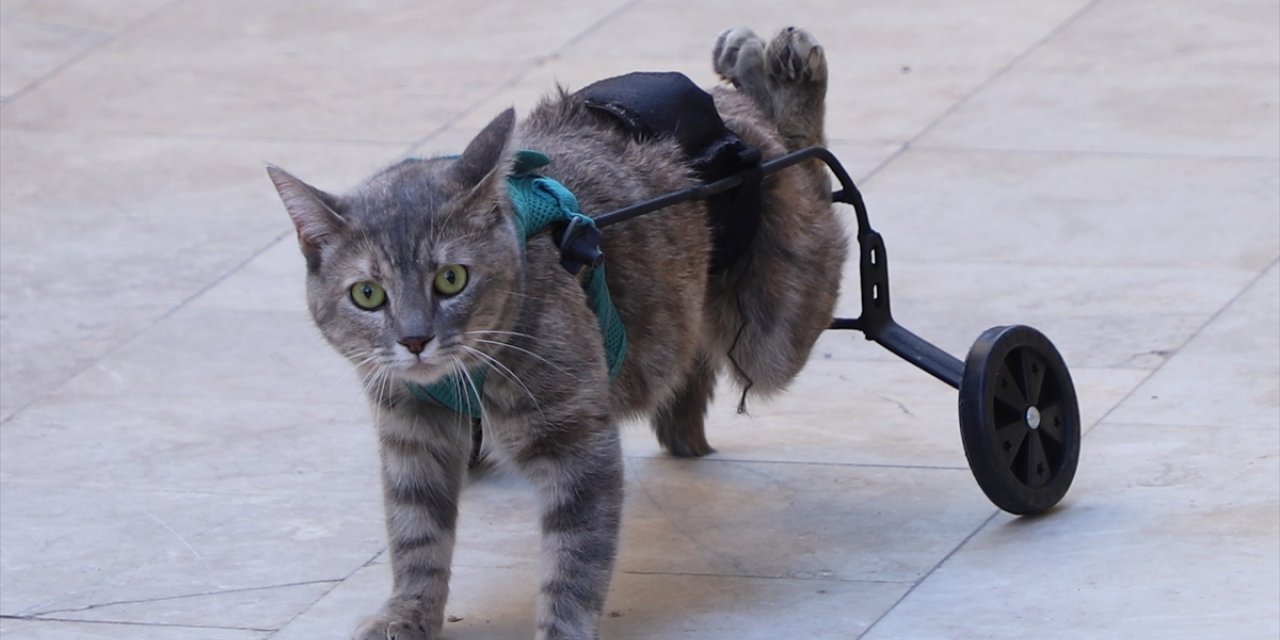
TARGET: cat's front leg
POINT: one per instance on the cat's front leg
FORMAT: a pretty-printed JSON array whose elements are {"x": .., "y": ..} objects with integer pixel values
[
  {"x": 580, "y": 485},
  {"x": 424, "y": 458}
]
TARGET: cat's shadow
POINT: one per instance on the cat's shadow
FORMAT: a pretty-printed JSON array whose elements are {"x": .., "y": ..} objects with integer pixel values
[{"x": 649, "y": 596}]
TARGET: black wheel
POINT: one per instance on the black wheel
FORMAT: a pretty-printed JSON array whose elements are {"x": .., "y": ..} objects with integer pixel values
[{"x": 1019, "y": 420}]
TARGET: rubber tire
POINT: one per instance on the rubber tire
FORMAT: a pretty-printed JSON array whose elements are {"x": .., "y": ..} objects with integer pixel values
[{"x": 1033, "y": 475}]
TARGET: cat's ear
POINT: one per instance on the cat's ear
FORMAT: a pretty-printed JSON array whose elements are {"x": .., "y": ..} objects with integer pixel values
[
  {"x": 316, "y": 221},
  {"x": 487, "y": 152}
]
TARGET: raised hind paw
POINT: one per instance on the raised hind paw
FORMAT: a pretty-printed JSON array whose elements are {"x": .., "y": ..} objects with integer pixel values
[
  {"x": 795, "y": 56},
  {"x": 738, "y": 54},
  {"x": 796, "y": 70},
  {"x": 738, "y": 57}
]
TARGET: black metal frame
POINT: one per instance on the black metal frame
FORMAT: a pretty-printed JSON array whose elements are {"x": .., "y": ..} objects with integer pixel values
[{"x": 876, "y": 321}]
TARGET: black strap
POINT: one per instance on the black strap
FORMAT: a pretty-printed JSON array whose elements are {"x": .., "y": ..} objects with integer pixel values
[{"x": 650, "y": 105}]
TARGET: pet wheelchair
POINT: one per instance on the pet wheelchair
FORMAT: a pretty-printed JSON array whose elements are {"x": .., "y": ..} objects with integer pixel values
[{"x": 1018, "y": 414}]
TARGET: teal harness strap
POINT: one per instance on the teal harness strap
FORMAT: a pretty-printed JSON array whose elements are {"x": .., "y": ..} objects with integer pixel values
[{"x": 539, "y": 202}]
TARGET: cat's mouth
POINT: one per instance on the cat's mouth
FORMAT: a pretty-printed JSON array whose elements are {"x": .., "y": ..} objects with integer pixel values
[
  {"x": 425, "y": 372},
  {"x": 429, "y": 367}
]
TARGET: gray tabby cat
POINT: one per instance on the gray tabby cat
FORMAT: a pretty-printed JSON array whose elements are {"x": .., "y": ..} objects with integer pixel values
[{"x": 418, "y": 274}]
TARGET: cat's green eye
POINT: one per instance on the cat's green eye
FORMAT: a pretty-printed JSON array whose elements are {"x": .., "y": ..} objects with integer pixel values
[
  {"x": 451, "y": 279},
  {"x": 368, "y": 295}
]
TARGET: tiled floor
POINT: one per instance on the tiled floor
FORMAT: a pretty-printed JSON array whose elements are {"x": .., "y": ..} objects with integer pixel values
[{"x": 181, "y": 457}]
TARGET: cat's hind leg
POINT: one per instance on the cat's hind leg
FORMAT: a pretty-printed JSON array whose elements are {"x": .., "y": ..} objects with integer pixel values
[
  {"x": 796, "y": 75},
  {"x": 738, "y": 56},
  {"x": 680, "y": 425}
]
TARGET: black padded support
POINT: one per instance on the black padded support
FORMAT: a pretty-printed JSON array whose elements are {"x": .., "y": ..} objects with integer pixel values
[{"x": 659, "y": 104}]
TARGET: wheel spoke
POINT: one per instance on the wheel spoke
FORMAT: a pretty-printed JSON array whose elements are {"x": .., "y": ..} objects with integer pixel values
[
  {"x": 1051, "y": 422},
  {"x": 1009, "y": 440},
  {"x": 1007, "y": 391},
  {"x": 1038, "y": 471},
  {"x": 1032, "y": 375}
]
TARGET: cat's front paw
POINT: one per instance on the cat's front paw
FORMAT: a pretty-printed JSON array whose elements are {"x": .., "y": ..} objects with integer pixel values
[
  {"x": 395, "y": 627},
  {"x": 383, "y": 629}
]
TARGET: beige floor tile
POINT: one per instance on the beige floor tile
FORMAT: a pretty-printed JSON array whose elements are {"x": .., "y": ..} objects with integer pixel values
[
  {"x": 199, "y": 355},
  {"x": 1172, "y": 535},
  {"x": 1077, "y": 209},
  {"x": 864, "y": 413},
  {"x": 498, "y": 603},
  {"x": 1225, "y": 113},
  {"x": 268, "y": 608},
  {"x": 1227, "y": 376},
  {"x": 144, "y": 224},
  {"x": 1193, "y": 36},
  {"x": 845, "y": 531},
  {"x": 713, "y": 517},
  {"x": 828, "y": 522},
  {"x": 177, "y": 439},
  {"x": 678, "y": 606},
  {"x": 338, "y": 613},
  {"x": 1098, "y": 317},
  {"x": 273, "y": 281},
  {"x": 138, "y": 436},
  {"x": 892, "y": 73},
  {"x": 72, "y": 547},
  {"x": 30, "y": 51},
  {"x": 335, "y": 71},
  {"x": 84, "y": 14},
  {"x": 933, "y": 32},
  {"x": 57, "y": 630}
]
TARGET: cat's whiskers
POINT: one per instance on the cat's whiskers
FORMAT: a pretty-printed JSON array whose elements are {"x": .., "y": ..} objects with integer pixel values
[
  {"x": 376, "y": 380},
  {"x": 531, "y": 354},
  {"x": 521, "y": 294},
  {"x": 464, "y": 373},
  {"x": 517, "y": 334},
  {"x": 371, "y": 382},
  {"x": 348, "y": 356},
  {"x": 507, "y": 373}
]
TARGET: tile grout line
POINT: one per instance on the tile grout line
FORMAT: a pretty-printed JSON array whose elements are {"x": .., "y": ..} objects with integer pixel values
[
  {"x": 182, "y": 596},
  {"x": 860, "y": 465},
  {"x": 1262, "y": 273},
  {"x": 74, "y": 60},
  {"x": 693, "y": 574},
  {"x": 595, "y": 26},
  {"x": 1176, "y": 155},
  {"x": 337, "y": 583},
  {"x": 149, "y": 325},
  {"x": 930, "y": 572},
  {"x": 996, "y": 75},
  {"x": 206, "y": 137},
  {"x": 126, "y": 623},
  {"x": 1174, "y": 353},
  {"x": 999, "y": 73},
  {"x": 537, "y": 62}
]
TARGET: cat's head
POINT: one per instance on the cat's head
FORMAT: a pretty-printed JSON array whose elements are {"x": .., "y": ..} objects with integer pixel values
[{"x": 412, "y": 272}]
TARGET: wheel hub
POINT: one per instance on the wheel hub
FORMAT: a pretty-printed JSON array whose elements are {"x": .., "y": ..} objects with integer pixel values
[{"x": 1033, "y": 417}]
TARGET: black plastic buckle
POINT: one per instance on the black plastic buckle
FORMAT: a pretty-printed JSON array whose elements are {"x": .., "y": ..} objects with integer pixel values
[{"x": 580, "y": 245}]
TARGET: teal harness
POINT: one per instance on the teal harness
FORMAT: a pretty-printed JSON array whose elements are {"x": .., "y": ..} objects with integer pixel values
[{"x": 540, "y": 203}]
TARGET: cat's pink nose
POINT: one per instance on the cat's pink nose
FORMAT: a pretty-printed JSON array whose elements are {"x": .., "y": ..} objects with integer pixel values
[{"x": 415, "y": 344}]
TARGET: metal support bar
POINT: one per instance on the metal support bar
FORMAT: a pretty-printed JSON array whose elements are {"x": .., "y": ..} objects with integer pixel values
[
  {"x": 876, "y": 321},
  {"x": 921, "y": 353}
]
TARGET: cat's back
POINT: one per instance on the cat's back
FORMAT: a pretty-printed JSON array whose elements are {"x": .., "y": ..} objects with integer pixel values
[{"x": 656, "y": 264}]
